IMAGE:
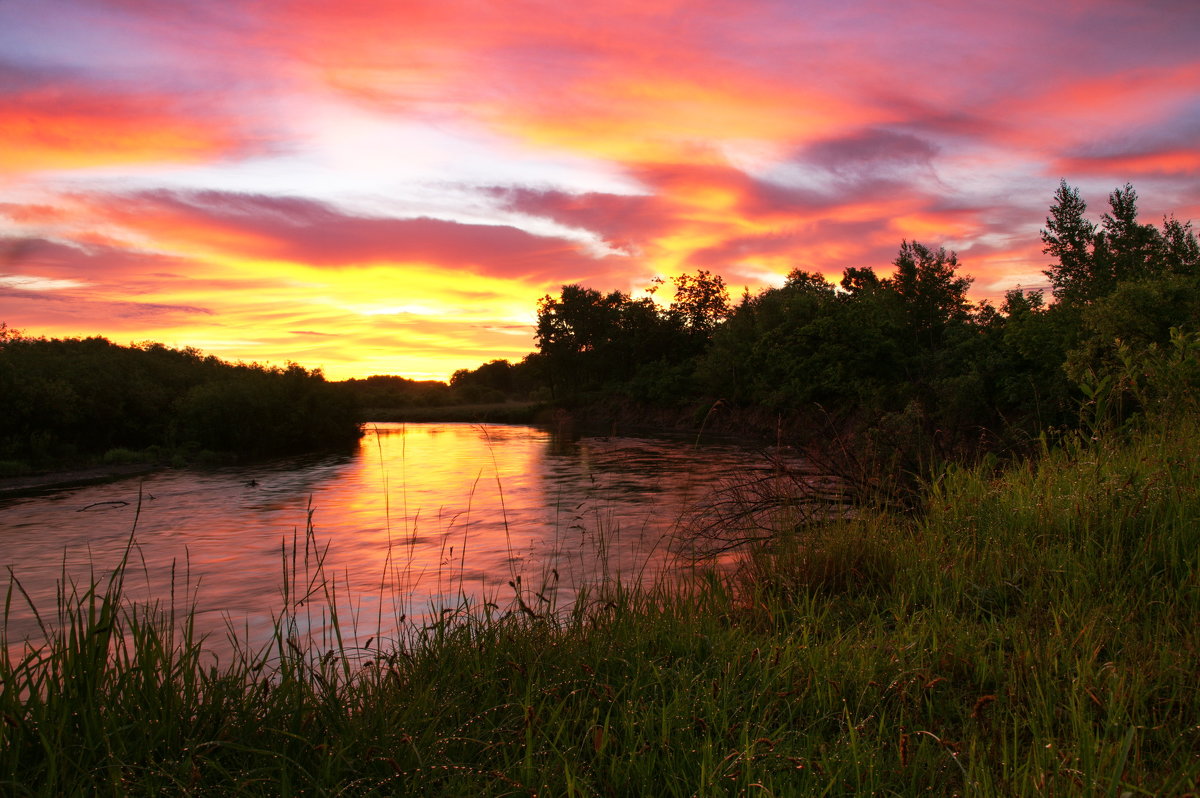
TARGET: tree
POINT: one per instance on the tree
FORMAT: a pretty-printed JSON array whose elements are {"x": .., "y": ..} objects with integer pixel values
[
  {"x": 813, "y": 282},
  {"x": 573, "y": 333},
  {"x": 8, "y": 333},
  {"x": 701, "y": 301},
  {"x": 931, "y": 292},
  {"x": 1093, "y": 263},
  {"x": 1070, "y": 238},
  {"x": 1180, "y": 252},
  {"x": 77, "y": 398},
  {"x": 1126, "y": 249},
  {"x": 490, "y": 382},
  {"x": 859, "y": 280},
  {"x": 1018, "y": 302},
  {"x": 579, "y": 320}
]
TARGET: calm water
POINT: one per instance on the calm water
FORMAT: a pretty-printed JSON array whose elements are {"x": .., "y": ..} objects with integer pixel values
[{"x": 419, "y": 516}]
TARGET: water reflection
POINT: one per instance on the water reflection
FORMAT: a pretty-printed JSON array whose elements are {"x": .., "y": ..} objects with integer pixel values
[{"x": 421, "y": 516}]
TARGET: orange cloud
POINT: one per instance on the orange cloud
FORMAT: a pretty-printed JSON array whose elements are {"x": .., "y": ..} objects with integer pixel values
[
  {"x": 635, "y": 120},
  {"x": 70, "y": 128},
  {"x": 1147, "y": 92},
  {"x": 1172, "y": 162},
  {"x": 308, "y": 232}
]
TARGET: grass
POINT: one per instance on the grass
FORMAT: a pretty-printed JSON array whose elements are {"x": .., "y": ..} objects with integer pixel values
[{"x": 1036, "y": 632}]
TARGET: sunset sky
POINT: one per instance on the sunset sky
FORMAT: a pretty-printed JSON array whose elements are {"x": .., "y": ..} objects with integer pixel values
[{"x": 388, "y": 187}]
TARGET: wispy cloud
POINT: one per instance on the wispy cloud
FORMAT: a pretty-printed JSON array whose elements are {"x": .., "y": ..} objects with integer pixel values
[{"x": 25, "y": 282}]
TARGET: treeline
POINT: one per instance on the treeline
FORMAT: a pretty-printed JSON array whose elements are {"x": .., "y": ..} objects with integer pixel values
[
  {"x": 493, "y": 382},
  {"x": 66, "y": 401},
  {"x": 904, "y": 361},
  {"x": 907, "y": 355}
]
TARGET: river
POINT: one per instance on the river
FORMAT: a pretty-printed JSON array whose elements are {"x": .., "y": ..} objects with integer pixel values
[{"x": 419, "y": 518}]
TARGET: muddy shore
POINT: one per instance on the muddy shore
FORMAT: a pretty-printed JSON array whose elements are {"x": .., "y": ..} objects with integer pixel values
[{"x": 56, "y": 480}]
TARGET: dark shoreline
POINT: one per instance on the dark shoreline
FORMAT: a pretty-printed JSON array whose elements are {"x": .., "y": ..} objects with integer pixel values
[
  {"x": 610, "y": 416},
  {"x": 603, "y": 418},
  {"x": 494, "y": 413},
  {"x": 11, "y": 487}
]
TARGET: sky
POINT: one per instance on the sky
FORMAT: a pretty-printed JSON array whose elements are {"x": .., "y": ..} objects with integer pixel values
[{"x": 389, "y": 187}]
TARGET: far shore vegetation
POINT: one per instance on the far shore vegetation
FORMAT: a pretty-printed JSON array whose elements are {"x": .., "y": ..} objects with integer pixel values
[
  {"x": 1012, "y": 608},
  {"x": 88, "y": 402},
  {"x": 903, "y": 369}
]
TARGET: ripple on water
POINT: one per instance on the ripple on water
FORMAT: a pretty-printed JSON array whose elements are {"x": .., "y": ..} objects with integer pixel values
[{"x": 506, "y": 500}]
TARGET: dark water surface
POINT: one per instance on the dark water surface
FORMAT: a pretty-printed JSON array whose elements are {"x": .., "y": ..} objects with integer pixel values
[{"x": 420, "y": 516}]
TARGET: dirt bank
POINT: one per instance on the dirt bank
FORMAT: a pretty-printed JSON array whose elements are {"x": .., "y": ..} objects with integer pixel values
[{"x": 55, "y": 480}]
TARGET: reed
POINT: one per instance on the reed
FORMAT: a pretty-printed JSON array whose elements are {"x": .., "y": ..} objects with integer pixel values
[{"x": 1034, "y": 633}]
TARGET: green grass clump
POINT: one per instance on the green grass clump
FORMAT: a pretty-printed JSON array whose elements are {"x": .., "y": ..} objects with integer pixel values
[
  {"x": 122, "y": 456},
  {"x": 1035, "y": 633}
]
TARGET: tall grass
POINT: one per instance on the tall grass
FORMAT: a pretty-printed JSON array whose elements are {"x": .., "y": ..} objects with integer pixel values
[{"x": 1035, "y": 633}]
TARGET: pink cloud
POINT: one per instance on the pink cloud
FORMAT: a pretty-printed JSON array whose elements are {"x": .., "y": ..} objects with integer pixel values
[
  {"x": 91, "y": 263},
  {"x": 315, "y": 233},
  {"x": 622, "y": 221},
  {"x": 67, "y": 122}
]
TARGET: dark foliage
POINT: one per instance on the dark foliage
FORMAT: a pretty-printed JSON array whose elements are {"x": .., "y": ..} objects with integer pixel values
[
  {"x": 1090, "y": 263},
  {"x": 385, "y": 391},
  {"x": 75, "y": 399},
  {"x": 589, "y": 342},
  {"x": 905, "y": 365}
]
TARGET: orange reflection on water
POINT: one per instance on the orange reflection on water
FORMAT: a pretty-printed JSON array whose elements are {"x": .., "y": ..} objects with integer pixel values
[
  {"x": 421, "y": 518},
  {"x": 450, "y": 511}
]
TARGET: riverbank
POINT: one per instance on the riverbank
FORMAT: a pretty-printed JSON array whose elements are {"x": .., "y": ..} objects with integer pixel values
[
  {"x": 1034, "y": 633},
  {"x": 614, "y": 416},
  {"x": 69, "y": 478},
  {"x": 492, "y": 413}
]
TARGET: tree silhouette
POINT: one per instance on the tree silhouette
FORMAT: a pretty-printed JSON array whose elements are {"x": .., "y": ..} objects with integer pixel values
[
  {"x": 1126, "y": 249},
  {"x": 931, "y": 292},
  {"x": 701, "y": 301},
  {"x": 1070, "y": 238}
]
